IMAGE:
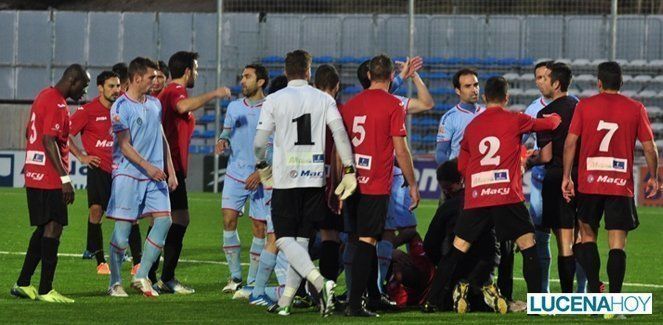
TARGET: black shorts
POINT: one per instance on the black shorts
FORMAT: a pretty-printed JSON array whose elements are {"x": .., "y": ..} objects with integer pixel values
[
  {"x": 557, "y": 213},
  {"x": 620, "y": 211},
  {"x": 99, "y": 184},
  {"x": 331, "y": 221},
  {"x": 296, "y": 211},
  {"x": 511, "y": 221},
  {"x": 179, "y": 198},
  {"x": 46, "y": 205},
  {"x": 367, "y": 214}
]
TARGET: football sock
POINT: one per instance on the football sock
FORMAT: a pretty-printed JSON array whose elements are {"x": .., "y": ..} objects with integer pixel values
[
  {"x": 348, "y": 256},
  {"x": 591, "y": 262},
  {"x": 361, "y": 272},
  {"x": 119, "y": 243},
  {"x": 505, "y": 269},
  {"x": 372, "y": 288},
  {"x": 32, "y": 258},
  {"x": 134, "y": 244},
  {"x": 384, "y": 248},
  {"x": 172, "y": 250},
  {"x": 445, "y": 269},
  {"x": 566, "y": 265},
  {"x": 543, "y": 248},
  {"x": 531, "y": 270},
  {"x": 232, "y": 247},
  {"x": 616, "y": 269},
  {"x": 152, "y": 275},
  {"x": 274, "y": 293},
  {"x": 329, "y": 251},
  {"x": 297, "y": 253},
  {"x": 49, "y": 260},
  {"x": 281, "y": 268},
  {"x": 257, "y": 244},
  {"x": 265, "y": 268},
  {"x": 153, "y": 245},
  {"x": 95, "y": 241},
  {"x": 581, "y": 279}
]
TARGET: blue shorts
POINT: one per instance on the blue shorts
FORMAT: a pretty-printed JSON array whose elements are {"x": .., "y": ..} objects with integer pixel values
[
  {"x": 133, "y": 198},
  {"x": 398, "y": 213},
  {"x": 535, "y": 198},
  {"x": 234, "y": 197}
]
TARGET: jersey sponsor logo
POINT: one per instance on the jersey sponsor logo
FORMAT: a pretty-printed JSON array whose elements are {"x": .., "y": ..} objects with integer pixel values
[
  {"x": 35, "y": 158},
  {"x": 495, "y": 191},
  {"x": 80, "y": 108},
  {"x": 62, "y": 105},
  {"x": 611, "y": 164},
  {"x": 611, "y": 180},
  {"x": 318, "y": 158},
  {"x": 304, "y": 158},
  {"x": 56, "y": 127},
  {"x": 104, "y": 144},
  {"x": 312, "y": 173},
  {"x": 363, "y": 179},
  {"x": 440, "y": 130},
  {"x": 35, "y": 176},
  {"x": 491, "y": 177},
  {"x": 363, "y": 161},
  {"x": 293, "y": 174},
  {"x": 101, "y": 118},
  {"x": 139, "y": 121}
]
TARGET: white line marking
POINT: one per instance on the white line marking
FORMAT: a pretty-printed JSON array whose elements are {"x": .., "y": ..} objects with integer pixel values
[{"x": 643, "y": 285}]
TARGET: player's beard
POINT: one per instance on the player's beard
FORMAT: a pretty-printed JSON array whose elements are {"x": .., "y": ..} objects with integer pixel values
[
  {"x": 111, "y": 99},
  {"x": 248, "y": 92}
]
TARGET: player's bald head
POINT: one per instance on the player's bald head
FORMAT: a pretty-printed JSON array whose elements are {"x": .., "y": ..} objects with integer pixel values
[{"x": 74, "y": 73}]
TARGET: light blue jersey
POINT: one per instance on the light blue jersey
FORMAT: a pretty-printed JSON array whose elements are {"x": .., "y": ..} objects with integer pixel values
[
  {"x": 533, "y": 109},
  {"x": 452, "y": 126},
  {"x": 143, "y": 122},
  {"x": 539, "y": 171},
  {"x": 242, "y": 120}
]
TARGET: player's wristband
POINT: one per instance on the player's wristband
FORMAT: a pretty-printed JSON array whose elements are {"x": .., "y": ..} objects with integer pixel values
[
  {"x": 261, "y": 165},
  {"x": 65, "y": 179},
  {"x": 348, "y": 170},
  {"x": 398, "y": 81}
]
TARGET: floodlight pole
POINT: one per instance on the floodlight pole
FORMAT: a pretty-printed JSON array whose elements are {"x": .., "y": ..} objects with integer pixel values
[
  {"x": 411, "y": 55},
  {"x": 613, "y": 31},
  {"x": 217, "y": 102}
]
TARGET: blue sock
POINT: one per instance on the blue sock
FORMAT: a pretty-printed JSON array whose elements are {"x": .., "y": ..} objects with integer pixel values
[
  {"x": 153, "y": 245},
  {"x": 274, "y": 293},
  {"x": 281, "y": 268},
  {"x": 119, "y": 243},
  {"x": 384, "y": 248},
  {"x": 348, "y": 255},
  {"x": 232, "y": 247},
  {"x": 543, "y": 249},
  {"x": 265, "y": 268},
  {"x": 581, "y": 278},
  {"x": 254, "y": 254}
]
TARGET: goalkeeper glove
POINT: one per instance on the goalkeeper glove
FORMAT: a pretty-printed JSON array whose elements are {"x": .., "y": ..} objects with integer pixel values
[
  {"x": 348, "y": 184},
  {"x": 265, "y": 172}
]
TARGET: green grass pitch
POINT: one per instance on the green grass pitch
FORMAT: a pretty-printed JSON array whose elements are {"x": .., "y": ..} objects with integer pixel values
[{"x": 203, "y": 269}]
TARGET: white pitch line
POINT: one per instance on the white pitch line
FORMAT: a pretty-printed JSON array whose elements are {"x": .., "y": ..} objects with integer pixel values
[{"x": 643, "y": 285}]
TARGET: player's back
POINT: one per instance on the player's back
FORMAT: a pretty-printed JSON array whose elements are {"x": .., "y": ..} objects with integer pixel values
[
  {"x": 372, "y": 118},
  {"x": 492, "y": 144},
  {"x": 300, "y": 114},
  {"x": 143, "y": 122},
  {"x": 609, "y": 125},
  {"x": 242, "y": 118}
]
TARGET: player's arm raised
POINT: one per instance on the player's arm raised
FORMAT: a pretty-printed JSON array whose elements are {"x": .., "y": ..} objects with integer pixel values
[
  {"x": 424, "y": 101},
  {"x": 193, "y": 103},
  {"x": 51, "y": 147},
  {"x": 124, "y": 143}
]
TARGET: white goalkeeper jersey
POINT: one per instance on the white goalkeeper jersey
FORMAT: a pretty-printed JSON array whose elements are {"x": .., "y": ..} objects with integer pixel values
[{"x": 298, "y": 116}]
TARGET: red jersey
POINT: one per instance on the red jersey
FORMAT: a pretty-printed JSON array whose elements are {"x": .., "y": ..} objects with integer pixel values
[
  {"x": 372, "y": 118},
  {"x": 49, "y": 115},
  {"x": 608, "y": 125},
  {"x": 177, "y": 127},
  {"x": 490, "y": 157},
  {"x": 92, "y": 120}
]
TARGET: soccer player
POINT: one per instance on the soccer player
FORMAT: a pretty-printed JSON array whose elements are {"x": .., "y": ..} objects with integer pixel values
[
  {"x": 242, "y": 181},
  {"x": 490, "y": 163},
  {"x": 92, "y": 121},
  {"x": 122, "y": 71},
  {"x": 178, "y": 124},
  {"x": 377, "y": 123},
  {"x": 558, "y": 215},
  {"x": 140, "y": 185},
  {"x": 47, "y": 182},
  {"x": 297, "y": 115},
  {"x": 542, "y": 80},
  {"x": 607, "y": 126},
  {"x": 453, "y": 122},
  {"x": 163, "y": 77},
  {"x": 399, "y": 215}
]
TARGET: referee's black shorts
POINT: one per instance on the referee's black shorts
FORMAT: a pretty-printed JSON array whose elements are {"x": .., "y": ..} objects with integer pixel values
[
  {"x": 46, "y": 205},
  {"x": 99, "y": 183},
  {"x": 296, "y": 211},
  {"x": 367, "y": 214},
  {"x": 510, "y": 220},
  {"x": 557, "y": 213},
  {"x": 179, "y": 199}
]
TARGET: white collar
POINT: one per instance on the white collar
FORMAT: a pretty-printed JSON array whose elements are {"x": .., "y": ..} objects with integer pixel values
[{"x": 297, "y": 83}]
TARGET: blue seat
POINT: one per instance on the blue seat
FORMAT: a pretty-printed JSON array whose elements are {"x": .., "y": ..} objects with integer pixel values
[
  {"x": 442, "y": 107},
  {"x": 323, "y": 59},
  {"x": 236, "y": 89},
  {"x": 197, "y": 134},
  {"x": 207, "y": 118},
  {"x": 352, "y": 90},
  {"x": 434, "y": 61},
  {"x": 209, "y": 134},
  {"x": 471, "y": 61},
  {"x": 346, "y": 60},
  {"x": 226, "y": 102},
  {"x": 487, "y": 75},
  {"x": 526, "y": 62},
  {"x": 193, "y": 149},
  {"x": 439, "y": 75},
  {"x": 206, "y": 150},
  {"x": 399, "y": 58},
  {"x": 489, "y": 61},
  {"x": 508, "y": 62},
  {"x": 442, "y": 91},
  {"x": 275, "y": 73},
  {"x": 273, "y": 59}
]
